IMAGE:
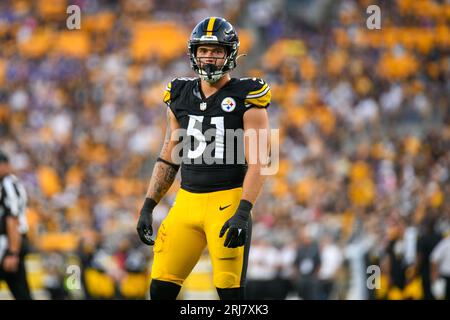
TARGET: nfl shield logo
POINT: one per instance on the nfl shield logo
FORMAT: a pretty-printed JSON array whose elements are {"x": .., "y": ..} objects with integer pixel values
[{"x": 203, "y": 106}]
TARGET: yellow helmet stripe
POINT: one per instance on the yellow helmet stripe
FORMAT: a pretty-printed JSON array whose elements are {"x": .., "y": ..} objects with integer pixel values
[{"x": 210, "y": 27}]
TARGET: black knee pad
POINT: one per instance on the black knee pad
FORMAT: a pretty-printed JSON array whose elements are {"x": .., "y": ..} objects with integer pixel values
[
  {"x": 231, "y": 293},
  {"x": 164, "y": 290}
]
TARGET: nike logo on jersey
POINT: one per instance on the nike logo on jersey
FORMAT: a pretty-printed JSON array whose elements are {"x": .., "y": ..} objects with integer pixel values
[{"x": 220, "y": 208}]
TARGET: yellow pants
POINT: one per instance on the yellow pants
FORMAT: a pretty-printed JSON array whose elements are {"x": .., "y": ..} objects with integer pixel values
[{"x": 192, "y": 223}]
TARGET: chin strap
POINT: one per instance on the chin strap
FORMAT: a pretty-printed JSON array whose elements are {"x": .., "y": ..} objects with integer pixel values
[
  {"x": 211, "y": 76},
  {"x": 210, "y": 69}
]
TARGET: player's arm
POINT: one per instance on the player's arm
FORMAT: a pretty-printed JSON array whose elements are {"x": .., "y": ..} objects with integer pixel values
[
  {"x": 165, "y": 168},
  {"x": 256, "y": 127},
  {"x": 14, "y": 241},
  {"x": 11, "y": 260},
  {"x": 436, "y": 258},
  {"x": 164, "y": 173},
  {"x": 255, "y": 120}
]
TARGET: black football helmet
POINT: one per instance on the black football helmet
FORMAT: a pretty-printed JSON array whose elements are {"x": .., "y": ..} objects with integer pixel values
[{"x": 214, "y": 30}]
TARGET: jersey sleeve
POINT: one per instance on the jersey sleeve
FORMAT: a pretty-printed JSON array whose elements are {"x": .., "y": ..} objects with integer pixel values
[
  {"x": 173, "y": 91},
  {"x": 258, "y": 94},
  {"x": 10, "y": 198},
  {"x": 167, "y": 98}
]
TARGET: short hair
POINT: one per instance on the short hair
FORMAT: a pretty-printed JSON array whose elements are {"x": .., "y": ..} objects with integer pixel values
[{"x": 3, "y": 157}]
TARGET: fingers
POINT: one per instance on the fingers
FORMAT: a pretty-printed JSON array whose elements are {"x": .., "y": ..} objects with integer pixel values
[
  {"x": 149, "y": 230},
  {"x": 224, "y": 229},
  {"x": 145, "y": 234},
  {"x": 143, "y": 238},
  {"x": 148, "y": 236},
  {"x": 242, "y": 238},
  {"x": 230, "y": 236},
  {"x": 238, "y": 241},
  {"x": 6, "y": 266},
  {"x": 145, "y": 229},
  {"x": 147, "y": 240},
  {"x": 233, "y": 243},
  {"x": 10, "y": 264},
  {"x": 235, "y": 239}
]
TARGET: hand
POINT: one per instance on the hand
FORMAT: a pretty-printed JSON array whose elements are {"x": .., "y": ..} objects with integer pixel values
[
  {"x": 238, "y": 226},
  {"x": 434, "y": 272},
  {"x": 144, "y": 226},
  {"x": 10, "y": 263}
]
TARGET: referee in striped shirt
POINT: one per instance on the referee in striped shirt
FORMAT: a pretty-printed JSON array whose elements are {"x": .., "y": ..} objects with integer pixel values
[{"x": 13, "y": 228}]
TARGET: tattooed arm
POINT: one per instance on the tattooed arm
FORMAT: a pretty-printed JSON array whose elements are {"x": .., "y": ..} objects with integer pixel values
[
  {"x": 166, "y": 169},
  {"x": 162, "y": 178}
]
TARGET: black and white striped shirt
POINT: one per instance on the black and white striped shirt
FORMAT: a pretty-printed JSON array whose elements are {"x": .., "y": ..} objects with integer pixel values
[{"x": 13, "y": 202}]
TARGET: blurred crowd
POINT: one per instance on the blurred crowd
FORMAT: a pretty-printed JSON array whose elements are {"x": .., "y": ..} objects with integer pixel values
[{"x": 364, "y": 138}]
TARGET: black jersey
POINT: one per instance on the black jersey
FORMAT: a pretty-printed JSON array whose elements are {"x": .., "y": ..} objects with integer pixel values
[
  {"x": 212, "y": 140},
  {"x": 13, "y": 201}
]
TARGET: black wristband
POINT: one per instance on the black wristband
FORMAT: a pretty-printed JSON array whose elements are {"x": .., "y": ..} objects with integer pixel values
[
  {"x": 244, "y": 210},
  {"x": 11, "y": 253},
  {"x": 245, "y": 205},
  {"x": 149, "y": 205},
  {"x": 173, "y": 165}
]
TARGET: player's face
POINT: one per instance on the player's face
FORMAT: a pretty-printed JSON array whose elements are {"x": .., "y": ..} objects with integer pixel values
[{"x": 211, "y": 54}]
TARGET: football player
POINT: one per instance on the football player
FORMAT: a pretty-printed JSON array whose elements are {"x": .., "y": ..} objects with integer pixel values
[{"x": 213, "y": 206}]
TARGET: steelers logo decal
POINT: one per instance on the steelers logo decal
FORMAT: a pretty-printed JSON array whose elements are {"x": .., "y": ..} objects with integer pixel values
[{"x": 228, "y": 104}]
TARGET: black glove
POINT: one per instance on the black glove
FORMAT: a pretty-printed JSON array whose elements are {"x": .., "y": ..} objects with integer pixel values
[
  {"x": 237, "y": 225},
  {"x": 144, "y": 226}
]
